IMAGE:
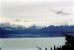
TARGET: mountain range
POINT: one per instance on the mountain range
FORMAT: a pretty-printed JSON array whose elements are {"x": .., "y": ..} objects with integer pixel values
[{"x": 17, "y": 31}]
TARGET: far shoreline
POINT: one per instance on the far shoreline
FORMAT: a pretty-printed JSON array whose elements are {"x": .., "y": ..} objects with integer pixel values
[{"x": 32, "y": 37}]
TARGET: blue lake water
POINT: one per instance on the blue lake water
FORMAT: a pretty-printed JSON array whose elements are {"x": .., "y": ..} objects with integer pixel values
[{"x": 30, "y": 43}]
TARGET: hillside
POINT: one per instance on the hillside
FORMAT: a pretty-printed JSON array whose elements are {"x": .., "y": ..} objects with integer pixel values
[{"x": 14, "y": 31}]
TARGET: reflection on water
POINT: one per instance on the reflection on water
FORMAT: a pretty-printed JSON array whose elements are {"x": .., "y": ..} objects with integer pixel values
[{"x": 30, "y": 43}]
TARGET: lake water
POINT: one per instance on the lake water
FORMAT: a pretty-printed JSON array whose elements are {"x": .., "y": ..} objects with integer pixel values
[{"x": 30, "y": 43}]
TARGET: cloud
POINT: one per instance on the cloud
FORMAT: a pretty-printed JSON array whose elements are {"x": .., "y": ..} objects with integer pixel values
[
  {"x": 21, "y": 20},
  {"x": 60, "y": 12},
  {"x": 35, "y": 12},
  {"x": 32, "y": 10},
  {"x": 11, "y": 20}
]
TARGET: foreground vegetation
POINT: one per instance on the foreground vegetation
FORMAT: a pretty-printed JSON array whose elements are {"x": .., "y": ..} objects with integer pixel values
[{"x": 69, "y": 44}]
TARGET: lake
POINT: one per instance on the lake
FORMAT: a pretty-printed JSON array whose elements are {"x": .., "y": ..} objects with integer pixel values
[{"x": 31, "y": 43}]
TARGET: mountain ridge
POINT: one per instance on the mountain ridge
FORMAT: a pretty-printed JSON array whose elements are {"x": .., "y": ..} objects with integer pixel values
[{"x": 16, "y": 31}]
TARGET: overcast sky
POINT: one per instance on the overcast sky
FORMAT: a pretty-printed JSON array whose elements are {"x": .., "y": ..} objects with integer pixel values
[{"x": 38, "y": 12}]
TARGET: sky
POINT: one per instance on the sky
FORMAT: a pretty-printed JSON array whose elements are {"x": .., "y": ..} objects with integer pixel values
[{"x": 37, "y": 12}]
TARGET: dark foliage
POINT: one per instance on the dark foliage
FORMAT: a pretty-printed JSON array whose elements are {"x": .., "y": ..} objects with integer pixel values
[{"x": 69, "y": 44}]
